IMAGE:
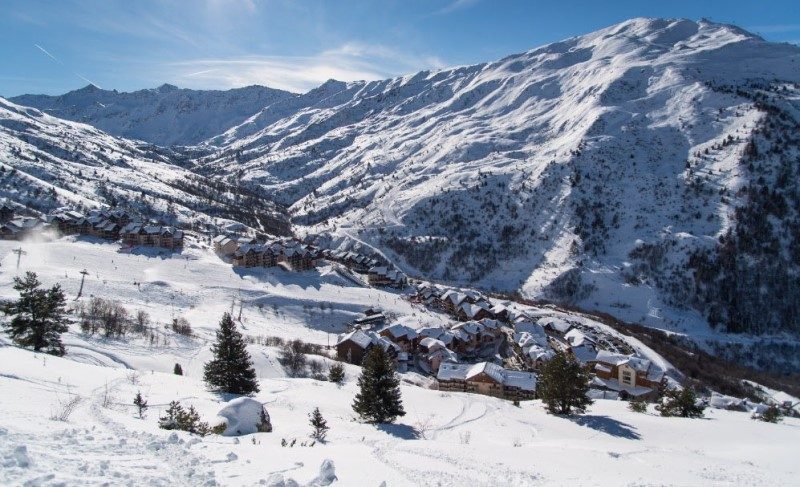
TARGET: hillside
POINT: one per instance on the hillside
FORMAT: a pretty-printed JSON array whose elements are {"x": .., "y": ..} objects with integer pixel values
[
  {"x": 445, "y": 437},
  {"x": 603, "y": 171},
  {"x": 47, "y": 163},
  {"x": 166, "y": 115}
]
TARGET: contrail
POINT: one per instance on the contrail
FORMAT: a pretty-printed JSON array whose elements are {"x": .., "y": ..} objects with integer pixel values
[
  {"x": 61, "y": 63},
  {"x": 201, "y": 72},
  {"x": 48, "y": 54}
]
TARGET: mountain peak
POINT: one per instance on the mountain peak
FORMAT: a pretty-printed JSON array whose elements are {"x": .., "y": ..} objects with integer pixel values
[{"x": 166, "y": 87}]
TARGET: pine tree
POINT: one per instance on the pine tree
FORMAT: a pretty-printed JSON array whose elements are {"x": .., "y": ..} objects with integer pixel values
[
  {"x": 231, "y": 370},
  {"x": 637, "y": 405},
  {"x": 336, "y": 373},
  {"x": 378, "y": 400},
  {"x": 178, "y": 370},
  {"x": 771, "y": 415},
  {"x": 682, "y": 403},
  {"x": 38, "y": 316},
  {"x": 319, "y": 425},
  {"x": 172, "y": 416},
  {"x": 563, "y": 385},
  {"x": 140, "y": 403}
]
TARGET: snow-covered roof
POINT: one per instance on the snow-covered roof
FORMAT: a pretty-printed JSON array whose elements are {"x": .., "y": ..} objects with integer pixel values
[
  {"x": 618, "y": 359},
  {"x": 615, "y": 385},
  {"x": 400, "y": 331},
  {"x": 358, "y": 337},
  {"x": 512, "y": 378},
  {"x": 431, "y": 344},
  {"x": 556, "y": 324}
]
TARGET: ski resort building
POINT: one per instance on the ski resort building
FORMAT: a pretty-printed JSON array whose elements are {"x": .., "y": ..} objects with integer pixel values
[
  {"x": 627, "y": 374},
  {"x": 488, "y": 379},
  {"x": 353, "y": 347}
]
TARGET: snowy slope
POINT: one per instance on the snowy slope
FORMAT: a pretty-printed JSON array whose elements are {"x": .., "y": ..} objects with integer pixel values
[
  {"x": 543, "y": 171},
  {"x": 445, "y": 438},
  {"x": 165, "y": 115},
  {"x": 47, "y": 162}
]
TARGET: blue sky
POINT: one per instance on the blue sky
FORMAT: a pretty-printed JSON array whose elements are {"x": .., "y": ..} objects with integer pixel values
[{"x": 56, "y": 46}]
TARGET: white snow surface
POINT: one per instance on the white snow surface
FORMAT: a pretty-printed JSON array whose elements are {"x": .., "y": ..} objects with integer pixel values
[
  {"x": 445, "y": 438},
  {"x": 242, "y": 416}
]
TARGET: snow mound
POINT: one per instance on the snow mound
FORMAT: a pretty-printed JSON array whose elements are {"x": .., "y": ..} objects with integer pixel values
[{"x": 242, "y": 416}]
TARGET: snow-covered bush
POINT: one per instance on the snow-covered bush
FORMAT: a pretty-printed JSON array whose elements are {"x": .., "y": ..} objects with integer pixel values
[{"x": 244, "y": 416}]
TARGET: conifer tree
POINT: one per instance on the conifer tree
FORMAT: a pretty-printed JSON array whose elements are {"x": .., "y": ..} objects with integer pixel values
[
  {"x": 336, "y": 373},
  {"x": 177, "y": 370},
  {"x": 682, "y": 403},
  {"x": 38, "y": 316},
  {"x": 563, "y": 385},
  {"x": 140, "y": 403},
  {"x": 319, "y": 425},
  {"x": 172, "y": 416},
  {"x": 231, "y": 369},
  {"x": 378, "y": 400},
  {"x": 771, "y": 415}
]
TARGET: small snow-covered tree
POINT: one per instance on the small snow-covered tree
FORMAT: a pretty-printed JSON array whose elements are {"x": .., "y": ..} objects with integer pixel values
[
  {"x": 682, "y": 403},
  {"x": 141, "y": 404},
  {"x": 319, "y": 425},
  {"x": 336, "y": 373},
  {"x": 231, "y": 370},
  {"x": 771, "y": 415},
  {"x": 172, "y": 416},
  {"x": 378, "y": 399},
  {"x": 38, "y": 316}
]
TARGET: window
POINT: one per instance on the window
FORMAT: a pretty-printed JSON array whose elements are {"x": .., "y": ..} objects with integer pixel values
[{"x": 627, "y": 378}]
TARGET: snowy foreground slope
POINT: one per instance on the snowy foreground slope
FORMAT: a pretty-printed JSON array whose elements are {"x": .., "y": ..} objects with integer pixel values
[
  {"x": 445, "y": 438},
  {"x": 165, "y": 115},
  {"x": 466, "y": 439},
  {"x": 544, "y": 171}
]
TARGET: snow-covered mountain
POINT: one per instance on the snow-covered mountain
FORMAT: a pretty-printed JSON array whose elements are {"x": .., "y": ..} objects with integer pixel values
[
  {"x": 601, "y": 170},
  {"x": 165, "y": 115},
  {"x": 646, "y": 170},
  {"x": 46, "y": 163}
]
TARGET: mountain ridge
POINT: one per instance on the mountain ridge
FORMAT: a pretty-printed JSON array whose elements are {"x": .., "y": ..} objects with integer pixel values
[{"x": 604, "y": 170}]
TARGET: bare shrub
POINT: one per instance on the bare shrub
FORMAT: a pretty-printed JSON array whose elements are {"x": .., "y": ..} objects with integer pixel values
[{"x": 65, "y": 407}]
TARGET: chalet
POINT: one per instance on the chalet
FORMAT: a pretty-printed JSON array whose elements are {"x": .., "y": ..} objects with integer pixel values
[
  {"x": 151, "y": 235},
  {"x": 501, "y": 313},
  {"x": 295, "y": 257},
  {"x": 224, "y": 245},
  {"x": 533, "y": 343},
  {"x": 451, "y": 300},
  {"x": 20, "y": 227},
  {"x": 467, "y": 311},
  {"x": 248, "y": 256},
  {"x": 405, "y": 337},
  {"x": 6, "y": 212},
  {"x": 65, "y": 221},
  {"x": 555, "y": 326},
  {"x": 385, "y": 276},
  {"x": 353, "y": 346},
  {"x": 627, "y": 374},
  {"x": 488, "y": 379},
  {"x": 433, "y": 352}
]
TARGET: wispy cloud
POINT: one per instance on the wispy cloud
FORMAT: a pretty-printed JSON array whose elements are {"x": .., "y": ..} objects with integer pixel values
[
  {"x": 456, "y": 5},
  {"x": 348, "y": 62}
]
